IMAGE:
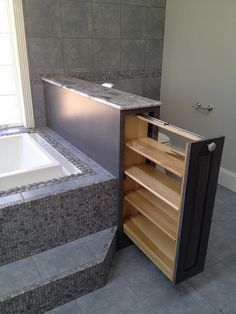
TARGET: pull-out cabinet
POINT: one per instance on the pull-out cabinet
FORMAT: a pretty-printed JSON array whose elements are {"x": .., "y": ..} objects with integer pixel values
[{"x": 169, "y": 195}]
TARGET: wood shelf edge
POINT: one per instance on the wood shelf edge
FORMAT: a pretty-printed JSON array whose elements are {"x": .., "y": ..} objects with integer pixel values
[{"x": 165, "y": 225}]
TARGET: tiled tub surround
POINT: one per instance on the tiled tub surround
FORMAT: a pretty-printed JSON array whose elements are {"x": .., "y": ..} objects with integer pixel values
[
  {"x": 46, "y": 138},
  {"x": 27, "y": 160},
  {"x": 42, "y": 217},
  {"x": 94, "y": 40},
  {"x": 44, "y": 281}
]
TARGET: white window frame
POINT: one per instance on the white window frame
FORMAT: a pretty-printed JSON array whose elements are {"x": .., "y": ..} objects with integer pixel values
[{"x": 20, "y": 61}]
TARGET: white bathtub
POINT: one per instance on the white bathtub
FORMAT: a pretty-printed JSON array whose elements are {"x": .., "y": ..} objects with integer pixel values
[{"x": 27, "y": 158}]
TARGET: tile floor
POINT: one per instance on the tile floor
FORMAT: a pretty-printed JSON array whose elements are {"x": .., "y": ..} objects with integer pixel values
[{"x": 136, "y": 286}]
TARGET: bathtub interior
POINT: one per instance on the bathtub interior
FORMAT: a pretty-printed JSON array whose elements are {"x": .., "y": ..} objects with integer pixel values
[{"x": 28, "y": 158}]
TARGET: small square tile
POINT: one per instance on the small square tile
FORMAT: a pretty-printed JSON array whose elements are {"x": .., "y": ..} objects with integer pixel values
[
  {"x": 133, "y": 21},
  {"x": 106, "y": 54},
  {"x": 77, "y": 55},
  {"x": 106, "y": 20},
  {"x": 76, "y": 18}
]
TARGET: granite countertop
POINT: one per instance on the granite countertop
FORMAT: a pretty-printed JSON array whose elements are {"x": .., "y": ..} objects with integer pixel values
[{"x": 112, "y": 97}]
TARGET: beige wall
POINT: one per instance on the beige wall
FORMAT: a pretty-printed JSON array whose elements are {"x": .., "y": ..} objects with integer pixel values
[{"x": 199, "y": 64}]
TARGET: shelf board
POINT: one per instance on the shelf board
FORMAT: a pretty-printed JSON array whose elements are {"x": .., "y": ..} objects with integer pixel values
[
  {"x": 179, "y": 150},
  {"x": 158, "y": 153},
  {"x": 168, "y": 127},
  {"x": 153, "y": 242},
  {"x": 142, "y": 200},
  {"x": 158, "y": 183}
]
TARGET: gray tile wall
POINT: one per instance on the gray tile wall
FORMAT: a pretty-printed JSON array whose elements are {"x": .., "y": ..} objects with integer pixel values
[{"x": 74, "y": 36}]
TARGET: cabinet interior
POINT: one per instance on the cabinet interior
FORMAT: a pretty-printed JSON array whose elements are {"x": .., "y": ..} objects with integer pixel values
[{"x": 153, "y": 185}]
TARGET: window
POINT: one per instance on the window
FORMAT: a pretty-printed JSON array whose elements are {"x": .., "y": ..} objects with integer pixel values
[{"x": 15, "y": 96}]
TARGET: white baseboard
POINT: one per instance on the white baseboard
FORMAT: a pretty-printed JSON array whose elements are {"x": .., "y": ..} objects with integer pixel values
[{"x": 227, "y": 179}]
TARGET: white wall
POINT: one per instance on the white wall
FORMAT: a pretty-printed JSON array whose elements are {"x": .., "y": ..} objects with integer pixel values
[{"x": 199, "y": 64}]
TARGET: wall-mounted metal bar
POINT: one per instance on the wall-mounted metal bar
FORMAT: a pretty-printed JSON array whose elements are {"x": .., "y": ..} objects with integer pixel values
[{"x": 198, "y": 106}]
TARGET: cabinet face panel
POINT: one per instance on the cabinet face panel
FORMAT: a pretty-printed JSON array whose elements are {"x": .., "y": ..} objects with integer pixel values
[{"x": 198, "y": 202}]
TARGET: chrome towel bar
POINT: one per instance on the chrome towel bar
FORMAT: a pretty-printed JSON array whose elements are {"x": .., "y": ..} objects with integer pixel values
[{"x": 198, "y": 106}]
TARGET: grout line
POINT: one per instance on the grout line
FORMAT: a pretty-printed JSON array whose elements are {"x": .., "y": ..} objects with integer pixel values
[
  {"x": 120, "y": 35},
  {"x": 130, "y": 5},
  {"x": 145, "y": 36},
  {"x": 36, "y": 266},
  {"x": 62, "y": 44},
  {"x": 93, "y": 63},
  {"x": 92, "y": 37}
]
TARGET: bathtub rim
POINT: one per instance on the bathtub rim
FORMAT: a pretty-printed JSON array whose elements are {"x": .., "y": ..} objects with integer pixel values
[
  {"x": 86, "y": 165},
  {"x": 52, "y": 160}
]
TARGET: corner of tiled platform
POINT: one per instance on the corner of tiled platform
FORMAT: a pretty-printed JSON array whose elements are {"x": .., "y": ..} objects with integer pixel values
[{"x": 57, "y": 240}]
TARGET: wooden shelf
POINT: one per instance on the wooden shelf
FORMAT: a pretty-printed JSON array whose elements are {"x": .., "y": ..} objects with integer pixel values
[
  {"x": 154, "y": 210},
  {"x": 153, "y": 242},
  {"x": 158, "y": 153},
  {"x": 168, "y": 127},
  {"x": 166, "y": 188}
]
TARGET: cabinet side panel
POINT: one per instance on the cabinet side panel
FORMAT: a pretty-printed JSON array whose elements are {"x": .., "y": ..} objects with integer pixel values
[{"x": 198, "y": 201}]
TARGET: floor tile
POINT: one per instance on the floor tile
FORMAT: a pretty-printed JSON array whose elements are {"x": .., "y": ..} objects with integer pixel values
[
  {"x": 176, "y": 300},
  {"x": 225, "y": 196},
  {"x": 222, "y": 240},
  {"x": 96, "y": 241},
  {"x": 135, "y": 285},
  {"x": 68, "y": 308},
  {"x": 230, "y": 262},
  {"x": 211, "y": 259},
  {"x": 222, "y": 212},
  {"x": 113, "y": 299},
  {"x": 217, "y": 285},
  {"x": 18, "y": 275},
  {"x": 230, "y": 225},
  {"x": 63, "y": 258},
  {"x": 136, "y": 270}
]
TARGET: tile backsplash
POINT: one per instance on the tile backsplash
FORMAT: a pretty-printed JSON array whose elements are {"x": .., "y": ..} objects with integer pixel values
[{"x": 76, "y": 36}]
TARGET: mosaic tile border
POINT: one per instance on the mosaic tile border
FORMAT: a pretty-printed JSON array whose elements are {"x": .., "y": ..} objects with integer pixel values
[
  {"x": 63, "y": 288},
  {"x": 101, "y": 76},
  {"x": 63, "y": 151}
]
